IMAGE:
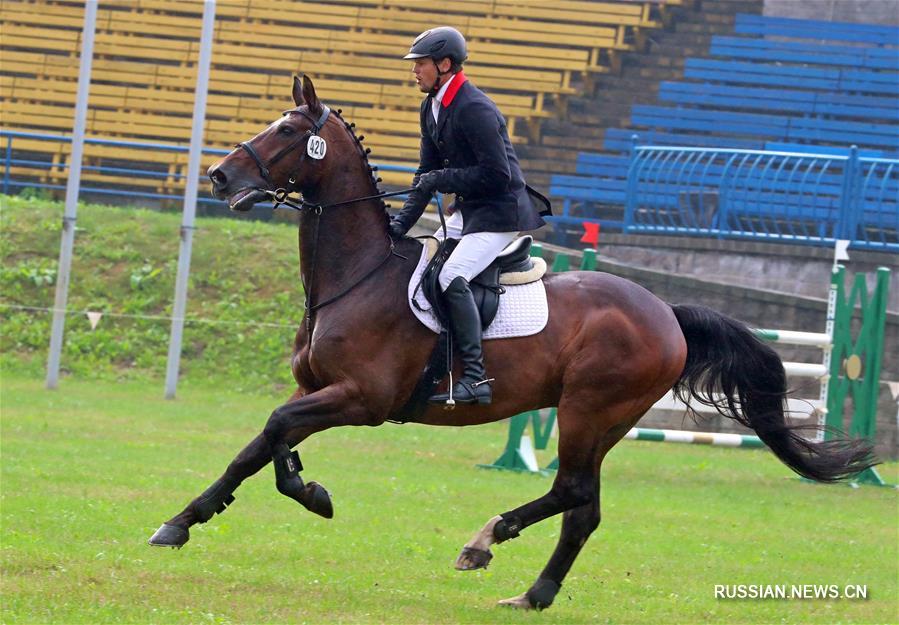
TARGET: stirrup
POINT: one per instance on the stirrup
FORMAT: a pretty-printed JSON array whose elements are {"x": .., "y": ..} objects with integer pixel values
[
  {"x": 468, "y": 389},
  {"x": 450, "y": 402}
]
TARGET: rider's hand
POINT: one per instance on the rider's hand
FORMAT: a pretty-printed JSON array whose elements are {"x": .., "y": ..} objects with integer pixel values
[
  {"x": 396, "y": 229},
  {"x": 417, "y": 200},
  {"x": 427, "y": 183}
]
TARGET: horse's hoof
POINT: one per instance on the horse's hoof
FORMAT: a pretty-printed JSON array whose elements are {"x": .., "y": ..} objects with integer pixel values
[
  {"x": 521, "y": 602},
  {"x": 169, "y": 536},
  {"x": 317, "y": 499},
  {"x": 472, "y": 558}
]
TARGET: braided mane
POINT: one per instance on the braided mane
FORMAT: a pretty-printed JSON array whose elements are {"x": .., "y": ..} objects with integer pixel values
[{"x": 372, "y": 169}]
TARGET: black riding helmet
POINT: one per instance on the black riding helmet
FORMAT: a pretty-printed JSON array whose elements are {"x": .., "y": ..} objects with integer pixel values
[{"x": 439, "y": 43}]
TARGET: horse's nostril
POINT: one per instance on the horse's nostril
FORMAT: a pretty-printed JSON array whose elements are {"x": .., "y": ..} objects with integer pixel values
[{"x": 218, "y": 177}]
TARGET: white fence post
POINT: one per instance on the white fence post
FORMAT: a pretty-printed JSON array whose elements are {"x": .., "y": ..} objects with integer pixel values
[
  {"x": 73, "y": 187},
  {"x": 190, "y": 200}
]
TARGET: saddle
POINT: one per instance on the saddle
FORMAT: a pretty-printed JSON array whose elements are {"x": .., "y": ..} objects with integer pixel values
[{"x": 514, "y": 265}]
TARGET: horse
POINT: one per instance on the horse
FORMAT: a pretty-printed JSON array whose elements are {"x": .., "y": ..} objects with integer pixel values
[{"x": 610, "y": 349}]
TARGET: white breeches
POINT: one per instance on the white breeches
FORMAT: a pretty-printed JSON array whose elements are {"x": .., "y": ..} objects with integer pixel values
[{"x": 474, "y": 252}]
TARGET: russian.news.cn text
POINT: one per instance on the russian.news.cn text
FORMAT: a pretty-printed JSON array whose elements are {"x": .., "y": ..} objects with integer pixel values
[{"x": 853, "y": 592}]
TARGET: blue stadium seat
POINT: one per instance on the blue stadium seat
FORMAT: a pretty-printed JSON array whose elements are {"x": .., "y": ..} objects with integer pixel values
[
  {"x": 788, "y": 100},
  {"x": 794, "y": 76},
  {"x": 857, "y": 57},
  {"x": 770, "y": 127},
  {"x": 619, "y": 140},
  {"x": 771, "y": 26}
]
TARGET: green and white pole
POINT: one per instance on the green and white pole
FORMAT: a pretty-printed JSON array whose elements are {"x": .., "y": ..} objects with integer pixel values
[
  {"x": 694, "y": 438},
  {"x": 836, "y": 279},
  {"x": 836, "y": 282},
  {"x": 864, "y": 420}
]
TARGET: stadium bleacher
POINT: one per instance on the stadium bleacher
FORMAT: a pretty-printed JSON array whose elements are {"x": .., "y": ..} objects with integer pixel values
[
  {"x": 837, "y": 79},
  {"x": 528, "y": 54},
  {"x": 800, "y": 85}
]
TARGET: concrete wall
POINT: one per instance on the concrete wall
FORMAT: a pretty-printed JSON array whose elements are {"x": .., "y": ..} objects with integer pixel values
[
  {"x": 859, "y": 11},
  {"x": 791, "y": 269}
]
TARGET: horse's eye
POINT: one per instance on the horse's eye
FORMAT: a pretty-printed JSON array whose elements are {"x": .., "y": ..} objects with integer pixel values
[{"x": 285, "y": 130}]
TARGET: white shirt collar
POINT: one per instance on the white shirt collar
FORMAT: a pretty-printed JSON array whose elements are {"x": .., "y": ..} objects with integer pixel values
[{"x": 438, "y": 99}]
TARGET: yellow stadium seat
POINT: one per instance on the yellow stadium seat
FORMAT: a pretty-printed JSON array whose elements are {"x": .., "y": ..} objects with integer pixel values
[{"x": 527, "y": 54}]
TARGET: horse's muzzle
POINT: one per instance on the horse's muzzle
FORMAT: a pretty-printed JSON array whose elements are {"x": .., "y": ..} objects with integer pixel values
[
  {"x": 245, "y": 199},
  {"x": 224, "y": 184}
]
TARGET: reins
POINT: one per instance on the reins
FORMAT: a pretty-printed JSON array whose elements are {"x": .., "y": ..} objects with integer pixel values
[{"x": 281, "y": 197}]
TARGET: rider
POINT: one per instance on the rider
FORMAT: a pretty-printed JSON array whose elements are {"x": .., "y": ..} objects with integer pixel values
[{"x": 465, "y": 150}]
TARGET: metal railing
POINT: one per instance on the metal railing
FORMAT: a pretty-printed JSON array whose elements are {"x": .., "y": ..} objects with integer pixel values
[
  {"x": 49, "y": 169},
  {"x": 794, "y": 197}
]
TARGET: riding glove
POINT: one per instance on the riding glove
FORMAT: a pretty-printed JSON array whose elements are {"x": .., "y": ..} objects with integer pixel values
[
  {"x": 424, "y": 187},
  {"x": 396, "y": 229},
  {"x": 427, "y": 183}
]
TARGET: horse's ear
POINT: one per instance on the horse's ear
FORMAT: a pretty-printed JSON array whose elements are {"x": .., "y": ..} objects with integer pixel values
[
  {"x": 298, "y": 92},
  {"x": 315, "y": 106}
]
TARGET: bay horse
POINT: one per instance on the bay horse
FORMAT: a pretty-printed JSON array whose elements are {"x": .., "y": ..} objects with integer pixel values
[{"x": 609, "y": 351}]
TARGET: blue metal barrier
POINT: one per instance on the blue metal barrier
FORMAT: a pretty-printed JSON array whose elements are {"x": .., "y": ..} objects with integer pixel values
[
  {"x": 776, "y": 196},
  {"x": 11, "y": 183}
]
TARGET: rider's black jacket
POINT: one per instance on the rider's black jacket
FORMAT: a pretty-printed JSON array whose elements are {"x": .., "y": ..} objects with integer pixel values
[{"x": 469, "y": 148}]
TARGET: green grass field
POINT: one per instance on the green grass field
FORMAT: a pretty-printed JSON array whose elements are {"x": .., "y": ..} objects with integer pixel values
[{"x": 89, "y": 471}]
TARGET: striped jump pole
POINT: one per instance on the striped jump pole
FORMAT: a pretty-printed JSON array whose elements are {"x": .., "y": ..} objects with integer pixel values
[
  {"x": 821, "y": 340},
  {"x": 694, "y": 438}
]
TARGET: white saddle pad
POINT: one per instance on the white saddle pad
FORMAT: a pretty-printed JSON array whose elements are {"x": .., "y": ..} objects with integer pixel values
[{"x": 522, "y": 308}]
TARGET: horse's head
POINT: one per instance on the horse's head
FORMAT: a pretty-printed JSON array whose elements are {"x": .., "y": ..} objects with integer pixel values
[{"x": 288, "y": 154}]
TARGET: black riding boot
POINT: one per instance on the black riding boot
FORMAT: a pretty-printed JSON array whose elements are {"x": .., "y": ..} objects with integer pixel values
[{"x": 465, "y": 320}]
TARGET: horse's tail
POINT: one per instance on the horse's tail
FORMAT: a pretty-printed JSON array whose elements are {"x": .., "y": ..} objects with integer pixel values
[{"x": 729, "y": 368}]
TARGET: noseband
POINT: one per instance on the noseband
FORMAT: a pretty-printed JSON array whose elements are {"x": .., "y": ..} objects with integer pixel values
[{"x": 281, "y": 196}]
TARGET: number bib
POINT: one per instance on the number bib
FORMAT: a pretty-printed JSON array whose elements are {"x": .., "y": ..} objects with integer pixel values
[{"x": 316, "y": 147}]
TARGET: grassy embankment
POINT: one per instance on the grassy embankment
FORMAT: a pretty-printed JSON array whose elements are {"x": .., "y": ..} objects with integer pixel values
[{"x": 125, "y": 262}]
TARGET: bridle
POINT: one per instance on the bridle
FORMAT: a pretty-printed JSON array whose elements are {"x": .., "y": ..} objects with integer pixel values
[
  {"x": 265, "y": 168},
  {"x": 281, "y": 197}
]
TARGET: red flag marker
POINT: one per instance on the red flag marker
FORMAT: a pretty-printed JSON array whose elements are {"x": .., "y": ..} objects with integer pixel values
[{"x": 591, "y": 233}]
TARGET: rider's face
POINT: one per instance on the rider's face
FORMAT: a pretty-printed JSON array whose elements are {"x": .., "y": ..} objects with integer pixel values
[{"x": 426, "y": 73}]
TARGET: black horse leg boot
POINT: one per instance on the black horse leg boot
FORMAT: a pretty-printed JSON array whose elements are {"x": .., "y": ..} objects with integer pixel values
[{"x": 472, "y": 387}]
